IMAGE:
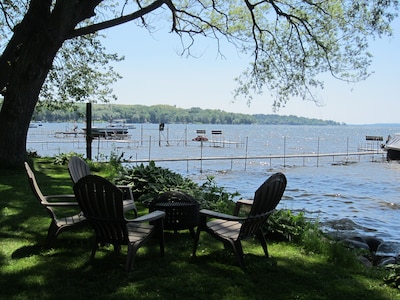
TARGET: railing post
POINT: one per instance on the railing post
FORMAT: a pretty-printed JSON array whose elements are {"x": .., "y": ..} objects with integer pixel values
[
  {"x": 89, "y": 137},
  {"x": 245, "y": 160},
  {"x": 284, "y": 151},
  {"x": 318, "y": 153}
]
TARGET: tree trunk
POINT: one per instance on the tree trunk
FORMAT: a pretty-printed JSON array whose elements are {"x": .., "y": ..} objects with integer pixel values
[
  {"x": 26, "y": 76},
  {"x": 25, "y": 64}
]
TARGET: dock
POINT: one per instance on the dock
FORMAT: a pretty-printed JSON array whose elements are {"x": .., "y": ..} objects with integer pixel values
[
  {"x": 345, "y": 155},
  {"x": 261, "y": 157}
]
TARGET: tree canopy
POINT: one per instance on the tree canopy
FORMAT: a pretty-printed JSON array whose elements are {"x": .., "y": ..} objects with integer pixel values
[
  {"x": 170, "y": 114},
  {"x": 51, "y": 50}
]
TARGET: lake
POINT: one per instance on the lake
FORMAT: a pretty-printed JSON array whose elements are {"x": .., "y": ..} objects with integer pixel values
[{"x": 347, "y": 193}]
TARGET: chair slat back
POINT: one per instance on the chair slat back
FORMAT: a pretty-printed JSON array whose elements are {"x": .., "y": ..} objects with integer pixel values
[
  {"x": 102, "y": 205},
  {"x": 77, "y": 168},
  {"x": 34, "y": 185},
  {"x": 37, "y": 191},
  {"x": 266, "y": 199},
  {"x": 268, "y": 195}
]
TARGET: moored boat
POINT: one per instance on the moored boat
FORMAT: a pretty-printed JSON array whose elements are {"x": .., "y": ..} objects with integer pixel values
[
  {"x": 392, "y": 147},
  {"x": 122, "y": 123},
  {"x": 109, "y": 131}
]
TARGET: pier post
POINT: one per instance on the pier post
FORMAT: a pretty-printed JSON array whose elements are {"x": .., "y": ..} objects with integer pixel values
[
  {"x": 149, "y": 147},
  {"x": 318, "y": 153},
  {"x": 201, "y": 156},
  {"x": 245, "y": 160},
  {"x": 89, "y": 131},
  {"x": 284, "y": 151}
]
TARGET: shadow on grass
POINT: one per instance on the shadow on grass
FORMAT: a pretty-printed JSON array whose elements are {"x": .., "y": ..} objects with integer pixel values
[
  {"x": 64, "y": 272},
  {"x": 30, "y": 270}
]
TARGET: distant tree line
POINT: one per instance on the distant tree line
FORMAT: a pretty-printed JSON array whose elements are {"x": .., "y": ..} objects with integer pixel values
[{"x": 169, "y": 115}]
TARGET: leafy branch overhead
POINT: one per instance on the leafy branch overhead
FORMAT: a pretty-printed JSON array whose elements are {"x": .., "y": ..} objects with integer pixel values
[
  {"x": 51, "y": 49},
  {"x": 291, "y": 42}
]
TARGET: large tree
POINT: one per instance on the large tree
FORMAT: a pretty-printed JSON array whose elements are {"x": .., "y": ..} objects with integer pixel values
[{"x": 51, "y": 48}]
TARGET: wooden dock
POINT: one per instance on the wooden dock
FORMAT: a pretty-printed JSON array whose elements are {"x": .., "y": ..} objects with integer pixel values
[{"x": 263, "y": 157}]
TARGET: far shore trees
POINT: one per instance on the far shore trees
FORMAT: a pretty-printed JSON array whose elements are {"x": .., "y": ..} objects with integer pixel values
[{"x": 51, "y": 51}]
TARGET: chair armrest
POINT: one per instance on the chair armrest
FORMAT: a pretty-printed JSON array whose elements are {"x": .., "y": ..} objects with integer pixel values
[
  {"x": 153, "y": 216},
  {"x": 124, "y": 186},
  {"x": 214, "y": 214},
  {"x": 127, "y": 190},
  {"x": 240, "y": 203},
  {"x": 64, "y": 200},
  {"x": 65, "y": 204},
  {"x": 245, "y": 202},
  {"x": 60, "y": 197}
]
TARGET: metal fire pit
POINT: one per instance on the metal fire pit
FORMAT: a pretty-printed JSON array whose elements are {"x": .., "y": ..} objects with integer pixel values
[{"x": 181, "y": 210}]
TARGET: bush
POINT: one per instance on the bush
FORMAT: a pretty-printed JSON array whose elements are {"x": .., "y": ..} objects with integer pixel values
[
  {"x": 216, "y": 198},
  {"x": 63, "y": 158},
  {"x": 148, "y": 182},
  {"x": 284, "y": 225}
]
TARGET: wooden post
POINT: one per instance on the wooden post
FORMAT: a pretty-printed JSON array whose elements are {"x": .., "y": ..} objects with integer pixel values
[{"x": 89, "y": 137}]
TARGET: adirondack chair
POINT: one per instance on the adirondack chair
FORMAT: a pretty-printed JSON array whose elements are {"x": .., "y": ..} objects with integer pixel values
[
  {"x": 78, "y": 168},
  {"x": 57, "y": 224},
  {"x": 102, "y": 204},
  {"x": 232, "y": 229}
]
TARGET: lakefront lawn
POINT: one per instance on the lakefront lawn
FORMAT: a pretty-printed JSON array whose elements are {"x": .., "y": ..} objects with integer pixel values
[{"x": 31, "y": 270}]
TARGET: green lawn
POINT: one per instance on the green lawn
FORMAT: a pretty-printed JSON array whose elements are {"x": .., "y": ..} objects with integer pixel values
[{"x": 30, "y": 270}]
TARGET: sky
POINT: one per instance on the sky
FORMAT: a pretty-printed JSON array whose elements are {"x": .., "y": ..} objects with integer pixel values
[{"x": 154, "y": 73}]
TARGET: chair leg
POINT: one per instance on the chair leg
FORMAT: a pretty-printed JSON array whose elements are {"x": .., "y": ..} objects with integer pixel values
[
  {"x": 202, "y": 226},
  {"x": 162, "y": 242},
  {"x": 117, "y": 248},
  {"x": 192, "y": 233},
  {"x": 52, "y": 233},
  {"x": 238, "y": 250},
  {"x": 159, "y": 233},
  {"x": 196, "y": 241},
  {"x": 130, "y": 258},
  {"x": 260, "y": 236},
  {"x": 94, "y": 249}
]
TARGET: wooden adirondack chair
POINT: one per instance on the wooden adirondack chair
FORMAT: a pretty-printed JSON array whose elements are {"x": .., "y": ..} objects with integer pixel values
[
  {"x": 102, "y": 205},
  {"x": 232, "y": 229},
  {"x": 57, "y": 224},
  {"x": 78, "y": 168}
]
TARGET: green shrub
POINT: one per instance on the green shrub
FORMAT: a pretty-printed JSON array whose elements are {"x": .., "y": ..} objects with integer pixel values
[
  {"x": 214, "y": 197},
  {"x": 150, "y": 181},
  {"x": 63, "y": 158},
  {"x": 283, "y": 224}
]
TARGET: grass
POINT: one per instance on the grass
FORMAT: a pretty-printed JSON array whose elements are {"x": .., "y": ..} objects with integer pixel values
[{"x": 30, "y": 270}]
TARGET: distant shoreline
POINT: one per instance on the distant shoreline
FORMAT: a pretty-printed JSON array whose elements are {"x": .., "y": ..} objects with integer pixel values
[{"x": 170, "y": 115}]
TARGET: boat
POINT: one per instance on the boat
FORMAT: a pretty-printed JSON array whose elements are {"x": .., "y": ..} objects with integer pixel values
[
  {"x": 200, "y": 138},
  {"x": 122, "y": 123},
  {"x": 109, "y": 132},
  {"x": 35, "y": 124},
  {"x": 392, "y": 147}
]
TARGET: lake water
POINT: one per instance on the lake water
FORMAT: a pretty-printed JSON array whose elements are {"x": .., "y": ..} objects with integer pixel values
[{"x": 350, "y": 194}]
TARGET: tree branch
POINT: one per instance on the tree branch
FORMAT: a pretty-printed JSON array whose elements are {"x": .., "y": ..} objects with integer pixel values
[{"x": 114, "y": 22}]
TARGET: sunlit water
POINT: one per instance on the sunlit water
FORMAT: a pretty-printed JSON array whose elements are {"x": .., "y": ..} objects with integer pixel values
[{"x": 360, "y": 189}]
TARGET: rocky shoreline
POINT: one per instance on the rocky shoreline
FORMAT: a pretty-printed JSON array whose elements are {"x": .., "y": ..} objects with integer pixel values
[{"x": 379, "y": 253}]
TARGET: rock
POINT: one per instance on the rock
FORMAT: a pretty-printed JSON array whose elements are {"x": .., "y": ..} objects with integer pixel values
[
  {"x": 355, "y": 244},
  {"x": 385, "y": 249},
  {"x": 359, "y": 242},
  {"x": 373, "y": 243},
  {"x": 365, "y": 261},
  {"x": 386, "y": 261}
]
